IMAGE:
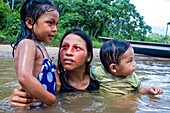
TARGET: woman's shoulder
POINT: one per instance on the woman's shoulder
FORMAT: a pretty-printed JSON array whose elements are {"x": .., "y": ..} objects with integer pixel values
[{"x": 93, "y": 85}]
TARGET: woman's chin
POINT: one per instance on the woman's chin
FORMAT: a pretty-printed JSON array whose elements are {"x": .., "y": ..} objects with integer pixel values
[{"x": 68, "y": 68}]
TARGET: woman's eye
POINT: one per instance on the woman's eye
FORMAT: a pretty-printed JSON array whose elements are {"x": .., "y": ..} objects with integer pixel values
[
  {"x": 50, "y": 22},
  {"x": 63, "y": 46},
  {"x": 77, "y": 48}
]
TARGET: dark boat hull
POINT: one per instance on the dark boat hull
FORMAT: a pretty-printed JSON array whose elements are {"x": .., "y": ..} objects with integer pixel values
[{"x": 148, "y": 48}]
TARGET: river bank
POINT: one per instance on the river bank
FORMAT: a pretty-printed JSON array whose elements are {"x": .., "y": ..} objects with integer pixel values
[{"x": 6, "y": 52}]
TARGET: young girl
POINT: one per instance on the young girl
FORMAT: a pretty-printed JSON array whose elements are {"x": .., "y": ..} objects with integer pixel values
[
  {"x": 116, "y": 75},
  {"x": 35, "y": 71},
  {"x": 74, "y": 58}
]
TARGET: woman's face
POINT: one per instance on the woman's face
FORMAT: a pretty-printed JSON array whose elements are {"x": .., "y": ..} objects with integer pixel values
[{"x": 73, "y": 53}]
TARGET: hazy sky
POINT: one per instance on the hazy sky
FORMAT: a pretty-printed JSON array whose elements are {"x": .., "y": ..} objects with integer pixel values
[{"x": 156, "y": 13}]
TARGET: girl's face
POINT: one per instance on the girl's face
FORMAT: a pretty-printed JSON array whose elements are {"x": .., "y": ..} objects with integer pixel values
[
  {"x": 127, "y": 63},
  {"x": 45, "y": 27},
  {"x": 73, "y": 53}
]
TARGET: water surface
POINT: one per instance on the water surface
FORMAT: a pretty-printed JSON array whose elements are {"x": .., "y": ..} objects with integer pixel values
[{"x": 151, "y": 71}]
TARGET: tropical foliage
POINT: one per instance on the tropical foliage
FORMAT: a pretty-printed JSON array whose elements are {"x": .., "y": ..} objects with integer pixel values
[
  {"x": 107, "y": 18},
  {"x": 103, "y": 17}
]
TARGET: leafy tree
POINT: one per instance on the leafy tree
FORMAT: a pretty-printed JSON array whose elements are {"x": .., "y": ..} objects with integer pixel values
[
  {"x": 4, "y": 9},
  {"x": 103, "y": 17},
  {"x": 108, "y": 18},
  {"x": 9, "y": 24},
  {"x": 14, "y": 4}
]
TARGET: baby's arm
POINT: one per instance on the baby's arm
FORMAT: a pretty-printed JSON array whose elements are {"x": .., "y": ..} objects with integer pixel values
[
  {"x": 26, "y": 52},
  {"x": 152, "y": 90}
]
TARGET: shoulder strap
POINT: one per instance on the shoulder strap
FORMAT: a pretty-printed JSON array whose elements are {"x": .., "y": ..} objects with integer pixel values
[{"x": 39, "y": 49}]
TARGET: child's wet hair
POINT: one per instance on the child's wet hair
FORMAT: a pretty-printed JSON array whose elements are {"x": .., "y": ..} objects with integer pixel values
[
  {"x": 32, "y": 9},
  {"x": 35, "y": 8},
  {"x": 112, "y": 50},
  {"x": 84, "y": 36}
]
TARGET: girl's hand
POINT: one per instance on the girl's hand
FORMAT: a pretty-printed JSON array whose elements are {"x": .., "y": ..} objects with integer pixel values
[
  {"x": 20, "y": 98},
  {"x": 155, "y": 90}
]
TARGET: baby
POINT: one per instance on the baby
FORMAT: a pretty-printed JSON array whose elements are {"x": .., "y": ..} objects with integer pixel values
[{"x": 116, "y": 75}]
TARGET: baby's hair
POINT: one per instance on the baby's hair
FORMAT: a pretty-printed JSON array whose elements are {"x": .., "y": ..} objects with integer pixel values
[
  {"x": 84, "y": 36},
  {"x": 31, "y": 9},
  {"x": 112, "y": 50}
]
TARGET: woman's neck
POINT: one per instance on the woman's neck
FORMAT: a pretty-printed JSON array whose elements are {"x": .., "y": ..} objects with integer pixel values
[
  {"x": 76, "y": 75},
  {"x": 78, "y": 79}
]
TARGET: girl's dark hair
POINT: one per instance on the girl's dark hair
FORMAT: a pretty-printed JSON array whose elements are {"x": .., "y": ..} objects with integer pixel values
[
  {"x": 31, "y": 9},
  {"x": 84, "y": 36},
  {"x": 112, "y": 50}
]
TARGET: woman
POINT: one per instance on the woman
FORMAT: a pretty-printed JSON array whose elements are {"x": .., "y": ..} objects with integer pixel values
[
  {"x": 75, "y": 55},
  {"x": 74, "y": 58}
]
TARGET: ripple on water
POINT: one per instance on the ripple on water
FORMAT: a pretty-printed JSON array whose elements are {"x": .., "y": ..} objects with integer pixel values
[{"x": 150, "y": 72}]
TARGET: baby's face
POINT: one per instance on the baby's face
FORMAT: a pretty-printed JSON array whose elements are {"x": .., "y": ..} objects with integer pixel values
[{"x": 127, "y": 63}]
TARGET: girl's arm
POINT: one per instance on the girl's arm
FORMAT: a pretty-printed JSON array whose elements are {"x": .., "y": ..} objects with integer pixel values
[
  {"x": 152, "y": 90},
  {"x": 26, "y": 52}
]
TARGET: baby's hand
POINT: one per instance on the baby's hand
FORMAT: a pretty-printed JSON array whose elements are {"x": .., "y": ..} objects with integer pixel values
[{"x": 155, "y": 90}]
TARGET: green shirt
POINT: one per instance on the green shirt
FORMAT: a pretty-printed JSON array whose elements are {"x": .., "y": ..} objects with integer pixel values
[{"x": 115, "y": 85}]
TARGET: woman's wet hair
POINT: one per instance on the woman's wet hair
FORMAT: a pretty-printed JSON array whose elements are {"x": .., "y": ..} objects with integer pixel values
[
  {"x": 31, "y": 9},
  {"x": 112, "y": 50},
  {"x": 84, "y": 36}
]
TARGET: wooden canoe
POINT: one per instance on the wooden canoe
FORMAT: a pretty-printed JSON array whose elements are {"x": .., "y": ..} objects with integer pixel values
[{"x": 148, "y": 48}]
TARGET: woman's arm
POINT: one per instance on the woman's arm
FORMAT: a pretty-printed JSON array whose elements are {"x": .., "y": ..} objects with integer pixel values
[
  {"x": 20, "y": 98},
  {"x": 58, "y": 85}
]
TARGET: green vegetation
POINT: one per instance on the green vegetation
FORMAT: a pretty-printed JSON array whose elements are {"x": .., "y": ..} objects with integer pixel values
[{"x": 107, "y": 18}]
